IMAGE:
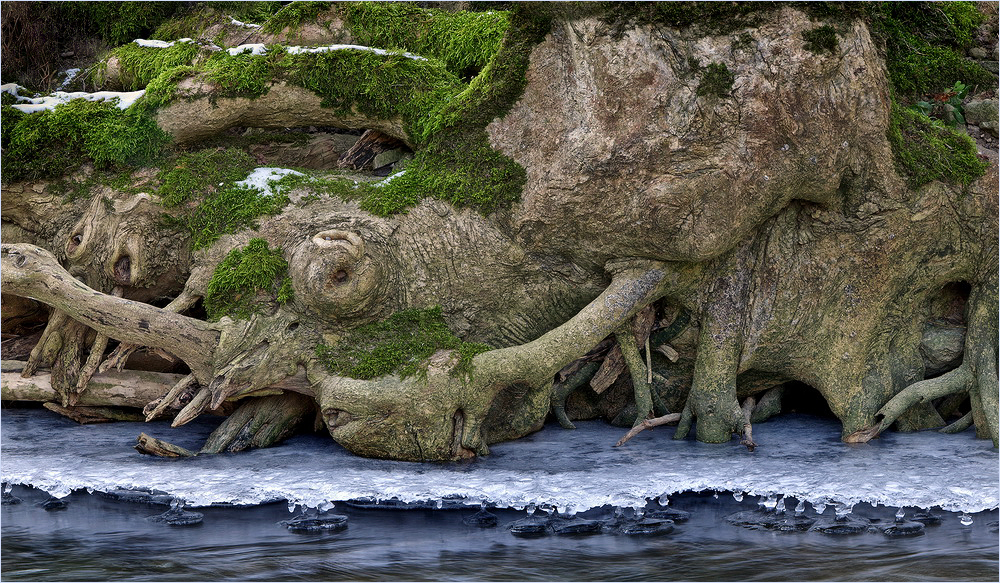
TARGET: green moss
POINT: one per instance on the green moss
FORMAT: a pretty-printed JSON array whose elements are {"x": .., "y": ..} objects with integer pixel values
[
  {"x": 203, "y": 186},
  {"x": 118, "y": 22},
  {"x": 822, "y": 39},
  {"x": 924, "y": 42},
  {"x": 927, "y": 150},
  {"x": 248, "y": 281},
  {"x": 194, "y": 174},
  {"x": 465, "y": 41},
  {"x": 716, "y": 80},
  {"x": 249, "y": 12},
  {"x": 245, "y": 74},
  {"x": 379, "y": 86},
  {"x": 293, "y": 15},
  {"x": 139, "y": 65},
  {"x": 52, "y": 143},
  {"x": 399, "y": 345}
]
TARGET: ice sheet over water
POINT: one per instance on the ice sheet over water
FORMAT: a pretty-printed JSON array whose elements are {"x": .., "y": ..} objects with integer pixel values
[{"x": 799, "y": 456}]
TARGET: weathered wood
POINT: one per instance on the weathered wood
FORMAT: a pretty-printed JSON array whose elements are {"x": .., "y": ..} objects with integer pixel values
[
  {"x": 153, "y": 446},
  {"x": 85, "y": 415},
  {"x": 260, "y": 422},
  {"x": 363, "y": 152},
  {"x": 747, "y": 410},
  {"x": 34, "y": 272},
  {"x": 649, "y": 424},
  {"x": 129, "y": 388}
]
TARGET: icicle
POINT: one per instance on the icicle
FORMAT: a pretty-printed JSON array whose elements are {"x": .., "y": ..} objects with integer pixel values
[
  {"x": 531, "y": 509},
  {"x": 900, "y": 514},
  {"x": 800, "y": 508},
  {"x": 664, "y": 500}
]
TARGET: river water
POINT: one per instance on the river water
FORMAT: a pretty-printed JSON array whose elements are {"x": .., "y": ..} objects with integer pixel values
[{"x": 578, "y": 472}]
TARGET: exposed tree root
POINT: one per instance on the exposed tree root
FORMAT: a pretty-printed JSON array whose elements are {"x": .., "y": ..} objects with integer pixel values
[
  {"x": 562, "y": 390},
  {"x": 649, "y": 424},
  {"x": 260, "y": 422},
  {"x": 747, "y": 440},
  {"x": 85, "y": 415},
  {"x": 152, "y": 446},
  {"x": 958, "y": 426},
  {"x": 172, "y": 399},
  {"x": 637, "y": 369}
]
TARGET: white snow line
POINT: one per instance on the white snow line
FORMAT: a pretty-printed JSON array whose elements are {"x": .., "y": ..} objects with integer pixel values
[
  {"x": 389, "y": 179},
  {"x": 243, "y": 24},
  {"x": 301, "y": 50},
  {"x": 36, "y": 104},
  {"x": 160, "y": 44},
  {"x": 253, "y": 49}
]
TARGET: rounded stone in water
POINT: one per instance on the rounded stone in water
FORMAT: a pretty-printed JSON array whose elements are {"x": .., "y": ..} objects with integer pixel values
[
  {"x": 904, "y": 528},
  {"x": 9, "y": 499},
  {"x": 576, "y": 526},
  {"x": 316, "y": 523},
  {"x": 927, "y": 518},
  {"x": 482, "y": 518},
  {"x": 647, "y": 527},
  {"x": 845, "y": 525},
  {"x": 530, "y": 526},
  {"x": 677, "y": 516},
  {"x": 54, "y": 504},
  {"x": 177, "y": 516}
]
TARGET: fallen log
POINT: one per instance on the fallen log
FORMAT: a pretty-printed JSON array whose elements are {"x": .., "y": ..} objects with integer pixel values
[{"x": 129, "y": 388}]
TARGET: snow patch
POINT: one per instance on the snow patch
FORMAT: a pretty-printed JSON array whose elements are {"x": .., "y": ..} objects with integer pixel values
[
  {"x": 253, "y": 49},
  {"x": 160, "y": 44},
  {"x": 70, "y": 75},
  {"x": 35, "y": 104},
  {"x": 243, "y": 24},
  {"x": 261, "y": 178},
  {"x": 302, "y": 50},
  {"x": 389, "y": 179}
]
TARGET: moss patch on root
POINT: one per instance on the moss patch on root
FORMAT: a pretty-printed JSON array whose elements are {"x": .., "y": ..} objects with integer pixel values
[
  {"x": 248, "y": 281},
  {"x": 53, "y": 143},
  {"x": 202, "y": 186},
  {"x": 716, "y": 80},
  {"x": 464, "y": 41},
  {"x": 928, "y": 150},
  {"x": 822, "y": 39},
  {"x": 139, "y": 65},
  {"x": 399, "y": 345}
]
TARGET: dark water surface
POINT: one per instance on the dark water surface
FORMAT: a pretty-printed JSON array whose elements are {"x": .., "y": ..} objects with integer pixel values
[{"x": 95, "y": 539}]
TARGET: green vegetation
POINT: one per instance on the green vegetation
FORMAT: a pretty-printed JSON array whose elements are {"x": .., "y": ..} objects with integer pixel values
[
  {"x": 927, "y": 150},
  {"x": 193, "y": 174},
  {"x": 249, "y": 12},
  {"x": 465, "y": 41},
  {"x": 401, "y": 344},
  {"x": 292, "y": 16},
  {"x": 923, "y": 44},
  {"x": 822, "y": 39},
  {"x": 379, "y": 86},
  {"x": 202, "y": 185},
  {"x": 248, "y": 281},
  {"x": 139, "y": 65},
  {"x": 716, "y": 80},
  {"x": 52, "y": 143},
  {"x": 117, "y": 22}
]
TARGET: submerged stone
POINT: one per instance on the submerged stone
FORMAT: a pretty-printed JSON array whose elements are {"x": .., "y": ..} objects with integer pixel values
[
  {"x": 483, "y": 518},
  {"x": 756, "y": 519},
  {"x": 178, "y": 517},
  {"x": 9, "y": 499},
  {"x": 846, "y": 525},
  {"x": 138, "y": 497},
  {"x": 316, "y": 523},
  {"x": 646, "y": 527},
  {"x": 54, "y": 504},
  {"x": 530, "y": 526},
  {"x": 576, "y": 526},
  {"x": 677, "y": 516},
  {"x": 926, "y": 518},
  {"x": 903, "y": 528},
  {"x": 792, "y": 523}
]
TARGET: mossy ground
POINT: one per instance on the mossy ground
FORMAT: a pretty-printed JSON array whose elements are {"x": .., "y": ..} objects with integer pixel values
[
  {"x": 53, "y": 143},
  {"x": 248, "y": 281},
  {"x": 399, "y": 345},
  {"x": 202, "y": 186}
]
